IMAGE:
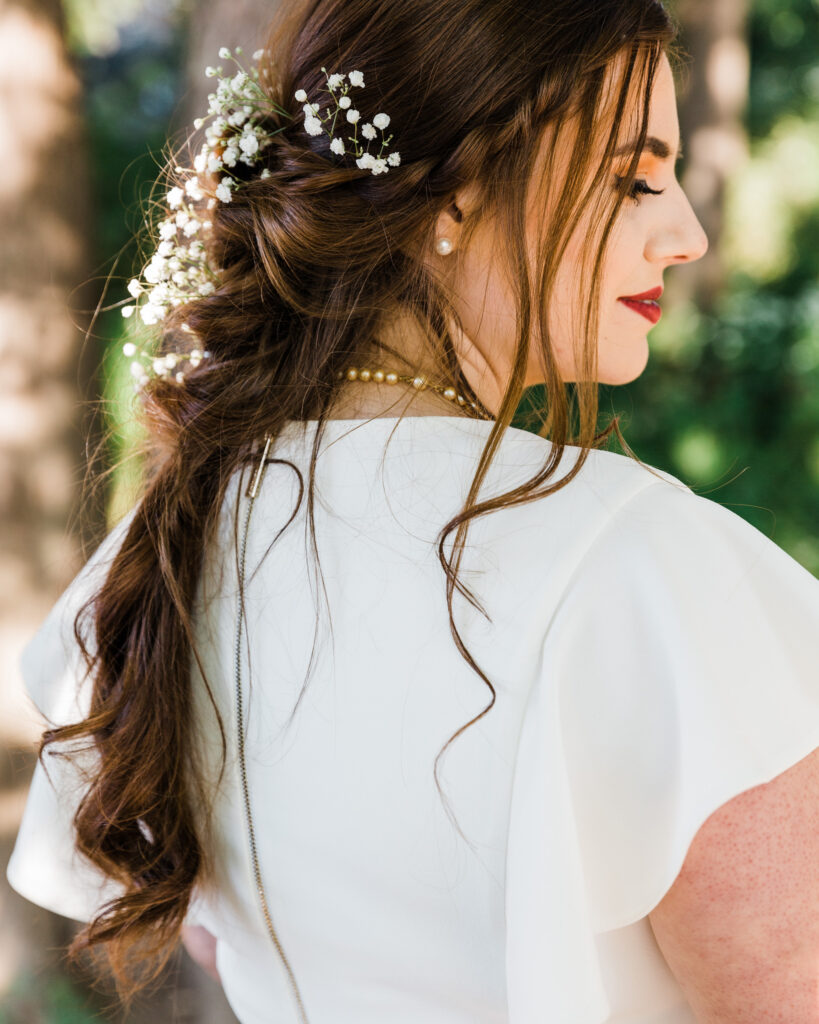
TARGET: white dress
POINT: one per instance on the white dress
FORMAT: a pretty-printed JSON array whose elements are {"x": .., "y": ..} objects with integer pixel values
[{"x": 653, "y": 655}]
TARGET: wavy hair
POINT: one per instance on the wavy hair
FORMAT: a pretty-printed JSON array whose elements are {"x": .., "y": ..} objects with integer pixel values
[{"x": 310, "y": 257}]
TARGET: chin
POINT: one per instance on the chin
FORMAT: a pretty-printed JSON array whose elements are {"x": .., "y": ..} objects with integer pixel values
[{"x": 623, "y": 367}]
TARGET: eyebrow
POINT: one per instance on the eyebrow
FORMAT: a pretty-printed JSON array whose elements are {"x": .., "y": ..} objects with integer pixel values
[{"x": 654, "y": 145}]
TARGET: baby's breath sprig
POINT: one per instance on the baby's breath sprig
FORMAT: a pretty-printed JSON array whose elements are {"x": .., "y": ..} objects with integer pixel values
[
  {"x": 179, "y": 269},
  {"x": 144, "y": 366},
  {"x": 314, "y": 124},
  {"x": 238, "y": 110}
]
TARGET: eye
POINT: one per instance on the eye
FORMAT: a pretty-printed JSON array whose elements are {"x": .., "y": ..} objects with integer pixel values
[{"x": 639, "y": 188}]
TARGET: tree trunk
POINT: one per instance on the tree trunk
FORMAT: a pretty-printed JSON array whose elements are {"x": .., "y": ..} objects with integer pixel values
[
  {"x": 713, "y": 96},
  {"x": 48, "y": 374}
]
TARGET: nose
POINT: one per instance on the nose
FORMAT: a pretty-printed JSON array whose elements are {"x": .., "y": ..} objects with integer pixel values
[{"x": 680, "y": 238}]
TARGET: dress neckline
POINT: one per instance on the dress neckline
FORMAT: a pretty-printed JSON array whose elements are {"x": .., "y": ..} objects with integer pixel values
[{"x": 435, "y": 419}]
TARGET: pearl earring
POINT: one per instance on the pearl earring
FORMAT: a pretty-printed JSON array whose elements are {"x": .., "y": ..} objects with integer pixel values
[{"x": 443, "y": 246}]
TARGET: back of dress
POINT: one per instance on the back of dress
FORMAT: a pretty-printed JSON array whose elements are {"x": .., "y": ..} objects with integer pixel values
[{"x": 651, "y": 655}]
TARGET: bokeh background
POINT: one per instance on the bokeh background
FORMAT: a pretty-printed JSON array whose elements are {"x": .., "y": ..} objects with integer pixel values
[{"x": 89, "y": 92}]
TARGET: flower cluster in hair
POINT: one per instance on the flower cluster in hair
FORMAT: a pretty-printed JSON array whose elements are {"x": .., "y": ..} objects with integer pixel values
[
  {"x": 237, "y": 134},
  {"x": 315, "y": 124}
]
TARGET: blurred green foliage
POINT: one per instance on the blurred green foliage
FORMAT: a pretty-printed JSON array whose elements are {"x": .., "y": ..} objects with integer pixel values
[
  {"x": 45, "y": 999},
  {"x": 130, "y": 57}
]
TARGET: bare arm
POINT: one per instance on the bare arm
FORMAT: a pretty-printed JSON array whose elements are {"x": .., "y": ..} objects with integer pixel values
[
  {"x": 201, "y": 946},
  {"x": 739, "y": 927}
]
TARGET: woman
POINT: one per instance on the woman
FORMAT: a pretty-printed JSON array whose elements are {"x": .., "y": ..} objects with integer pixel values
[{"x": 533, "y": 776}]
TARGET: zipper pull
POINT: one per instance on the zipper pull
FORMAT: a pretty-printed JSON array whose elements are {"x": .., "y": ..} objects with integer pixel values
[{"x": 253, "y": 489}]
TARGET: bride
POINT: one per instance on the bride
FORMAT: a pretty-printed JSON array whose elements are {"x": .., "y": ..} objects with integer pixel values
[{"x": 563, "y": 768}]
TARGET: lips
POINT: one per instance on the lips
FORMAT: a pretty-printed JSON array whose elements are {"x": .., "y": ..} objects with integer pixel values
[{"x": 645, "y": 303}]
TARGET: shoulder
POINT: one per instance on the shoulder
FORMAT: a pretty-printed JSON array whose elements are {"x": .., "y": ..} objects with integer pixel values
[
  {"x": 665, "y": 529},
  {"x": 606, "y": 479}
]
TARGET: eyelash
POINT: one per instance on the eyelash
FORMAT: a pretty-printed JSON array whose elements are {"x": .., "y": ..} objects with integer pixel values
[{"x": 640, "y": 188}]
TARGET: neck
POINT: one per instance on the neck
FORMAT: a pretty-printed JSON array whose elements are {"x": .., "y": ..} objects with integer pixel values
[{"x": 405, "y": 348}]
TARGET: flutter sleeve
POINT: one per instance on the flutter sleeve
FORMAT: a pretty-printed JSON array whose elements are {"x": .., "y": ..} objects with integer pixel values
[
  {"x": 680, "y": 669},
  {"x": 44, "y": 866}
]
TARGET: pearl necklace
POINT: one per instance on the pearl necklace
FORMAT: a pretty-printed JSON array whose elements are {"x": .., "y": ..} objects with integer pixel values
[{"x": 419, "y": 382}]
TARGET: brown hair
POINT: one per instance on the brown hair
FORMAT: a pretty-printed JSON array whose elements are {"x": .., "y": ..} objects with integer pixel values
[{"x": 308, "y": 256}]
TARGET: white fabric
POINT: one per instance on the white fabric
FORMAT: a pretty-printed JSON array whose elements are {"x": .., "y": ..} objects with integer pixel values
[{"x": 652, "y": 655}]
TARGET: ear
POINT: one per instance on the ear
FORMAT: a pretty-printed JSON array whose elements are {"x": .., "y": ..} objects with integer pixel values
[{"x": 465, "y": 201}]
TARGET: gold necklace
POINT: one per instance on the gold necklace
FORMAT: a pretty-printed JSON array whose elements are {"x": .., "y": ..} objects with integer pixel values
[{"x": 419, "y": 382}]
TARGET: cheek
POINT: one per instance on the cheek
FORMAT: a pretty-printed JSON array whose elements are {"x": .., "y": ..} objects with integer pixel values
[{"x": 624, "y": 252}]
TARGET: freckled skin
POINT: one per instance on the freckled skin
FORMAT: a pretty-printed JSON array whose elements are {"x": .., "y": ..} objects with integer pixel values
[{"x": 739, "y": 927}]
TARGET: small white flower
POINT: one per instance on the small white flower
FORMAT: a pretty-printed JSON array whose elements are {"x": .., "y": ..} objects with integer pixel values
[
  {"x": 208, "y": 288},
  {"x": 155, "y": 270},
  {"x": 312, "y": 126},
  {"x": 215, "y": 164},
  {"x": 310, "y": 109},
  {"x": 135, "y": 287},
  {"x": 201, "y": 162},
  {"x": 191, "y": 228},
  {"x": 394, "y": 159},
  {"x": 368, "y": 131},
  {"x": 301, "y": 96},
  {"x": 257, "y": 56},
  {"x": 357, "y": 78},
  {"x": 223, "y": 192},
  {"x": 159, "y": 365},
  {"x": 180, "y": 278},
  {"x": 194, "y": 189},
  {"x": 365, "y": 160},
  {"x": 166, "y": 247},
  {"x": 335, "y": 81},
  {"x": 182, "y": 219},
  {"x": 197, "y": 124},
  {"x": 345, "y": 102},
  {"x": 128, "y": 311},
  {"x": 175, "y": 197},
  {"x": 353, "y": 116},
  {"x": 171, "y": 360},
  {"x": 152, "y": 314},
  {"x": 265, "y": 173},
  {"x": 137, "y": 369},
  {"x": 337, "y": 146},
  {"x": 249, "y": 144},
  {"x": 224, "y": 53},
  {"x": 230, "y": 156},
  {"x": 210, "y": 71},
  {"x": 180, "y": 377},
  {"x": 379, "y": 166},
  {"x": 381, "y": 121},
  {"x": 167, "y": 229},
  {"x": 129, "y": 349}
]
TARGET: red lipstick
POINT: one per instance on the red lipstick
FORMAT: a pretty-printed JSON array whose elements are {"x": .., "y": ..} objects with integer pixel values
[{"x": 645, "y": 303}]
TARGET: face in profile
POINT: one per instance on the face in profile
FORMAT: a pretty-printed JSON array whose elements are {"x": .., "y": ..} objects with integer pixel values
[{"x": 656, "y": 228}]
